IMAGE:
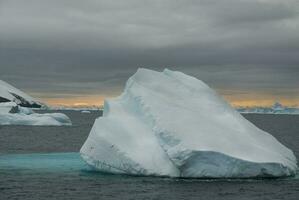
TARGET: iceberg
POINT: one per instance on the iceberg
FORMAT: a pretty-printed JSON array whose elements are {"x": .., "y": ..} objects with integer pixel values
[
  {"x": 16, "y": 109},
  {"x": 8, "y": 93},
  {"x": 171, "y": 124},
  {"x": 85, "y": 112},
  {"x": 13, "y": 114},
  {"x": 276, "y": 108}
]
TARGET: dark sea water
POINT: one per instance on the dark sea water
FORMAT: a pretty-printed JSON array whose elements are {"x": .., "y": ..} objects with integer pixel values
[{"x": 43, "y": 163}]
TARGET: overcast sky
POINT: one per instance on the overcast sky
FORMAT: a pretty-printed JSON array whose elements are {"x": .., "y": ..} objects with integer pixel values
[{"x": 73, "y": 48}]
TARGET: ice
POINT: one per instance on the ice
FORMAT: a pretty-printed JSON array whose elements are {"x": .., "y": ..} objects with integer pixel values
[
  {"x": 10, "y": 93},
  {"x": 15, "y": 109},
  {"x": 85, "y": 111},
  {"x": 13, "y": 114},
  {"x": 276, "y": 108},
  {"x": 171, "y": 124}
]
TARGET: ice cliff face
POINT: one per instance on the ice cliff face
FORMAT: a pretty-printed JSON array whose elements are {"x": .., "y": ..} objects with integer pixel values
[
  {"x": 8, "y": 93},
  {"x": 171, "y": 124}
]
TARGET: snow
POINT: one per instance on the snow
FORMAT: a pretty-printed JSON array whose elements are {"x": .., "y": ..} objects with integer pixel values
[
  {"x": 10, "y": 93},
  {"x": 13, "y": 114},
  {"x": 7, "y": 107},
  {"x": 171, "y": 124}
]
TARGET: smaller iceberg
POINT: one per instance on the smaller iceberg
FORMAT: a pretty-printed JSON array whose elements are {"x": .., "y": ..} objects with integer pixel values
[
  {"x": 85, "y": 112},
  {"x": 9, "y": 93},
  {"x": 13, "y": 114},
  {"x": 171, "y": 124}
]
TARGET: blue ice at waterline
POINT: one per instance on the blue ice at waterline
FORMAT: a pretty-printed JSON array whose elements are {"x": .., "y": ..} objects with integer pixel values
[
  {"x": 44, "y": 161},
  {"x": 51, "y": 162}
]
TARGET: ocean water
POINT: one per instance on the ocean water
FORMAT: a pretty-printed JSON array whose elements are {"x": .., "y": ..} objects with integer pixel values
[{"x": 43, "y": 163}]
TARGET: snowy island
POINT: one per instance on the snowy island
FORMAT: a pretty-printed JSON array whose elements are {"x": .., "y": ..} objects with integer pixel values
[
  {"x": 16, "y": 108},
  {"x": 171, "y": 124}
]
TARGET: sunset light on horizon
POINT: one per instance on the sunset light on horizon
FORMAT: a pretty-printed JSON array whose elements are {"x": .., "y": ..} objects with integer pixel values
[
  {"x": 149, "y": 99},
  {"x": 95, "y": 100}
]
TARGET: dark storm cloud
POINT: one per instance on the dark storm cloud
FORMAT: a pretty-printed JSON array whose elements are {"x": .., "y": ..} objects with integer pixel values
[{"x": 85, "y": 47}]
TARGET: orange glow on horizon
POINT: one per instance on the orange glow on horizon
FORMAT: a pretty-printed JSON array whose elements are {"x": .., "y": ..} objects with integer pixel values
[
  {"x": 75, "y": 101},
  {"x": 265, "y": 101},
  {"x": 234, "y": 100}
]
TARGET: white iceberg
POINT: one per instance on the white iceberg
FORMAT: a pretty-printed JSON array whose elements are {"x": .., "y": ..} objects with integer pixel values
[
  {"x": 171, "y": 124},
  {"x": 8, "y": 93},
  {"x": 276, "y": 108},
  {"x": 85, "y": 111},
  {"x": 13, "y": 114}
]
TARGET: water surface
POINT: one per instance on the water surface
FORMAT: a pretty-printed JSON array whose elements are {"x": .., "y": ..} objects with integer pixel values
[{"x": 43, "y": 163}]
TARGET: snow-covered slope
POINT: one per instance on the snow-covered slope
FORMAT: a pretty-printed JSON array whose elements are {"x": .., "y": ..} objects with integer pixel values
[
  {"x": 13, "y": 114},
  {"x": 171, "y": 124},
  {"x": 10, "y": 93}
]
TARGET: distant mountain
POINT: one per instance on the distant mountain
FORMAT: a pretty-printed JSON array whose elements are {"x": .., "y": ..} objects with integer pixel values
[
  {"x": 8, "y": 93},
  {"x": 276, "y": 108}
]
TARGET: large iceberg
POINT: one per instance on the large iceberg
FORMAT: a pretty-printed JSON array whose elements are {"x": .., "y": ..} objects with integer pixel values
[
  {"x": 13, "y": 114},
  {"x": 8, "y": 93},
  {"x": 171, "y": 124}
]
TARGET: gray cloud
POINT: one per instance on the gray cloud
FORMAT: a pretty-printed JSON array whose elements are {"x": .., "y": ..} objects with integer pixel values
[{"x": 62, "y": 47}]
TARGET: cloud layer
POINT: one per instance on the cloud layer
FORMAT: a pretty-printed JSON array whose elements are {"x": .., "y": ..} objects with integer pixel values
[{"x": 66, "y": 48}]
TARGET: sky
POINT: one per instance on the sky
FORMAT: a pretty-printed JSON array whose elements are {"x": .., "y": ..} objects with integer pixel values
[{"x": 81, "y": 52}]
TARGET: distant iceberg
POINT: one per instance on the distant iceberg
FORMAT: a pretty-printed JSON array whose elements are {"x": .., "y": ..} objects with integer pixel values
[
  {"x": 13, "y": 114},
  {"x": 85, "y": 111},
  {"x": 276, "y": 108},
  {"x": 8, "y": 93},
  {"x": 171, "y": 124}
]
